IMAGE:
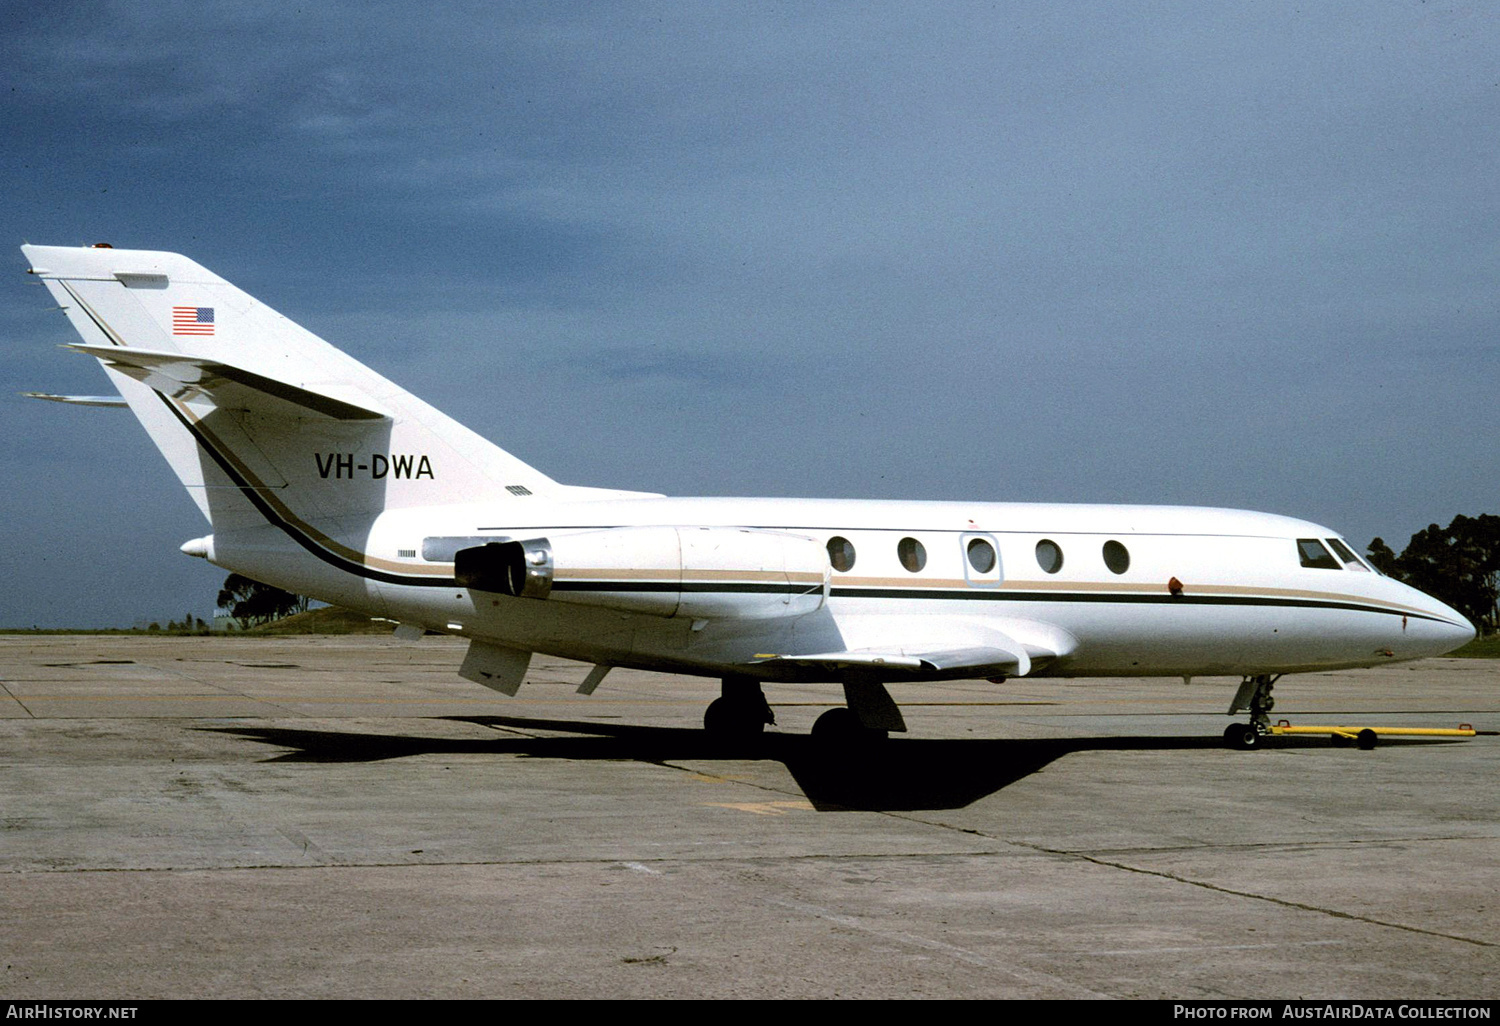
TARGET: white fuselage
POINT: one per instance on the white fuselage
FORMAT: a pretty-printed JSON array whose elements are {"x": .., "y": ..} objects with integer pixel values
[{"x": 1202, "y": 591}]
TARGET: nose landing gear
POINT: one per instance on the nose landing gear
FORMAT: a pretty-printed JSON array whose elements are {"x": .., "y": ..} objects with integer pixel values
[{"x": 1255, "y": 695}]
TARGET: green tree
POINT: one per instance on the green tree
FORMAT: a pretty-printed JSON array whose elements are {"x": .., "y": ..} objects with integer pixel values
[
  {"x": 1381, "y": 557},
  {"x": 251, "y": 602},
  {"x": 1459, "y": 564}
]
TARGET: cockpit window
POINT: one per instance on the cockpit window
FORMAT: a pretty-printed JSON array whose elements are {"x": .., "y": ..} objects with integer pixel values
[
  {"x": 1351, "y": 561},
  {"x": 1315, "y": 555}
]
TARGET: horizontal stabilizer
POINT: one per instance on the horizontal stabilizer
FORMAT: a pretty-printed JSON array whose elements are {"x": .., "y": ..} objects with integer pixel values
[
  {"x": 226, "y": 386},
  {"x": 78, "y": 400}
]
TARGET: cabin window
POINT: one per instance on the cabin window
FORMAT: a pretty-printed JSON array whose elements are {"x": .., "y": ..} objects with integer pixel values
[
  {"x": 912, "y": 554},
  {"x": 1315, "y": 555},
  {"x": 1116, "y": 557},
  {"x": 981, "y": 555},
  {"x": 1351, "y": 561},
  {"x": 1049, "y": 556},
  {"x": 841, "y": 554}
]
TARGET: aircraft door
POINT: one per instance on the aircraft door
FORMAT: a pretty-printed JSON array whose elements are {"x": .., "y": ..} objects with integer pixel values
[{"x": 981, "y": 558}]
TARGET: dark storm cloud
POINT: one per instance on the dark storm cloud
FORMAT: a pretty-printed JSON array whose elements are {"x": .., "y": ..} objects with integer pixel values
[{"x": 1228, "y": 254}]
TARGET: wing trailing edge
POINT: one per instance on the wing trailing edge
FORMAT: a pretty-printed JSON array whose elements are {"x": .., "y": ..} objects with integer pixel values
[
  {"x": 976, "y": 661},
  {"x": 914, "y": 649}
]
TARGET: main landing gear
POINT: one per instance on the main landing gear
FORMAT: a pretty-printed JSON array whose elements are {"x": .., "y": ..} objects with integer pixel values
[
  {"x": 869, "y": 717},
  {"x": 1255, "y": 695},
  {"x": 741, "y": 711}
]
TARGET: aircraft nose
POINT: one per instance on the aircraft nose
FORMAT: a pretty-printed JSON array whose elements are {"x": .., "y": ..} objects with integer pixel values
[
  {"x": 1463, "y": 632},
  {"x": 1446, "y": 629}
]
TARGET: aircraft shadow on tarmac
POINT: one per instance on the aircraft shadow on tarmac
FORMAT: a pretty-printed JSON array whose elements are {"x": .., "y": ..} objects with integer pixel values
[{"x": 904, "y": 774}]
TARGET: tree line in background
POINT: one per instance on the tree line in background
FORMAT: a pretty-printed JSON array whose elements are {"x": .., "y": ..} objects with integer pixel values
[
  {"x": 252, "y": 603},
  {"x": 1458, "y": 564}
]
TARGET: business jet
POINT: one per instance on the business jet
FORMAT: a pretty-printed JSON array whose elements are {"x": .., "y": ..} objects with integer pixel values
[{"x": 320, "y": 476}]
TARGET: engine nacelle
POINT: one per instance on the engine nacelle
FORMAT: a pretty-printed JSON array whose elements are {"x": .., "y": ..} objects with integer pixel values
[{"x": 698, "y": 572}]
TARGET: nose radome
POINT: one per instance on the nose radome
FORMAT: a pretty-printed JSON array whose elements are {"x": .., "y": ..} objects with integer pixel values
[
  {"x": 1434, "y": 628},
  {"x": 1462, "y": 635},
  {"x": 1450, "y": 629}
]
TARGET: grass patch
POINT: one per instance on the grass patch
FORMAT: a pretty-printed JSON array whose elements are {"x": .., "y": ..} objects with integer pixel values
[
  {"x": 327, "y": 620},
  {"x": 122, "y": 631},
  {"x": 1480, "y": 648}
]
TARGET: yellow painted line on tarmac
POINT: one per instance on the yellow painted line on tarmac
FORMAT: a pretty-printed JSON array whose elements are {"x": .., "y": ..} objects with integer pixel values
[
  {"x": 135, "y": 698},
  {"x": 910, "y": 705},
  {"x": 338, "y": 701},
  {"x": 778, "y": 808}
]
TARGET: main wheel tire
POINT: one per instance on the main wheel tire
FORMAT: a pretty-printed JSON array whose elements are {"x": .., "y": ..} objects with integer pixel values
[
  {"x": 736, "y": 721},
  {"x": 1242, "y": 736},
  {"x": 835, "y": 725},
  {"x": 1367, "y": 739},
  {"x": 840, "y": 726}
]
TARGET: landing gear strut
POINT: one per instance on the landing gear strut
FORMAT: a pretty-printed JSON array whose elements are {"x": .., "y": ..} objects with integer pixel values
[
  {"x": 1255, "y": 695},
  {"x": 869, "y": 717},
  {"x": 740, "y": 712}
]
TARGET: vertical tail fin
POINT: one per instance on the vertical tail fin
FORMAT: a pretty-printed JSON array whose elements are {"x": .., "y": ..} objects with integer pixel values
[{"x": 260, "y": 418}]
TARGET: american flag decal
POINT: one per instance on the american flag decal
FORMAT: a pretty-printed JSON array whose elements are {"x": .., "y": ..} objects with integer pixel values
[{"x": 192, "y": 320}]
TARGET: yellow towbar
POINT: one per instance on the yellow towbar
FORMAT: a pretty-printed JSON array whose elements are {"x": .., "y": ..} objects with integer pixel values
[{"x": 1366, "y": 737}]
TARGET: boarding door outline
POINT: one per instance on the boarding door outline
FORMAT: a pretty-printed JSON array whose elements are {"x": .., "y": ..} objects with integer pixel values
[{"x": 975, "y": 572}]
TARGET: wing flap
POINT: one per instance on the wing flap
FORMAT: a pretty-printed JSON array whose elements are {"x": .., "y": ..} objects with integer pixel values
[
  {"x": 226, "y": 386},
  {"x": 974, "y": 661},
  {"x": 940, "y": 648}
]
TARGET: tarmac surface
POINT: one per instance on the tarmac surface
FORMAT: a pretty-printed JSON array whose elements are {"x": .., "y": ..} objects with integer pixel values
[{"x": 345, "y": 817}]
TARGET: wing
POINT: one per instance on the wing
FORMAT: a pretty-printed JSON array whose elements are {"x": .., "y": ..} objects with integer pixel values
[
  {"x": 914, "y": 649},
  {"x": 976, "y": 661}
]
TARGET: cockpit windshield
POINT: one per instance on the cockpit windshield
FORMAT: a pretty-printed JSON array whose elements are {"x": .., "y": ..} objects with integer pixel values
[
  {"x": 1351, "y": 561},
  {"x": 1314, "y": 555}
]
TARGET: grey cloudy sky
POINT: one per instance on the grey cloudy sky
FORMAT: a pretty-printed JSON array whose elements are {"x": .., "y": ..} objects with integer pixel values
[{"x": 1220, "y": 254}]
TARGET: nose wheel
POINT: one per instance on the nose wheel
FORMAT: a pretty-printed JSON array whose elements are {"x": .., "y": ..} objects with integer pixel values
[
  {"x": 1255, "y": 695},
  {"x": 1242, "y": 736}
]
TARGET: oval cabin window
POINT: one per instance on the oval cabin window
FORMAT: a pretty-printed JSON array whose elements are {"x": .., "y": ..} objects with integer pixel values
[
  {"x": 981, "y": 555},
  {"x": 1116, "y": 557},
  {"x": 912, "y": 554},
  {"x": 841, "y": 554},
  {"x": 1049, "y": 556}
]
